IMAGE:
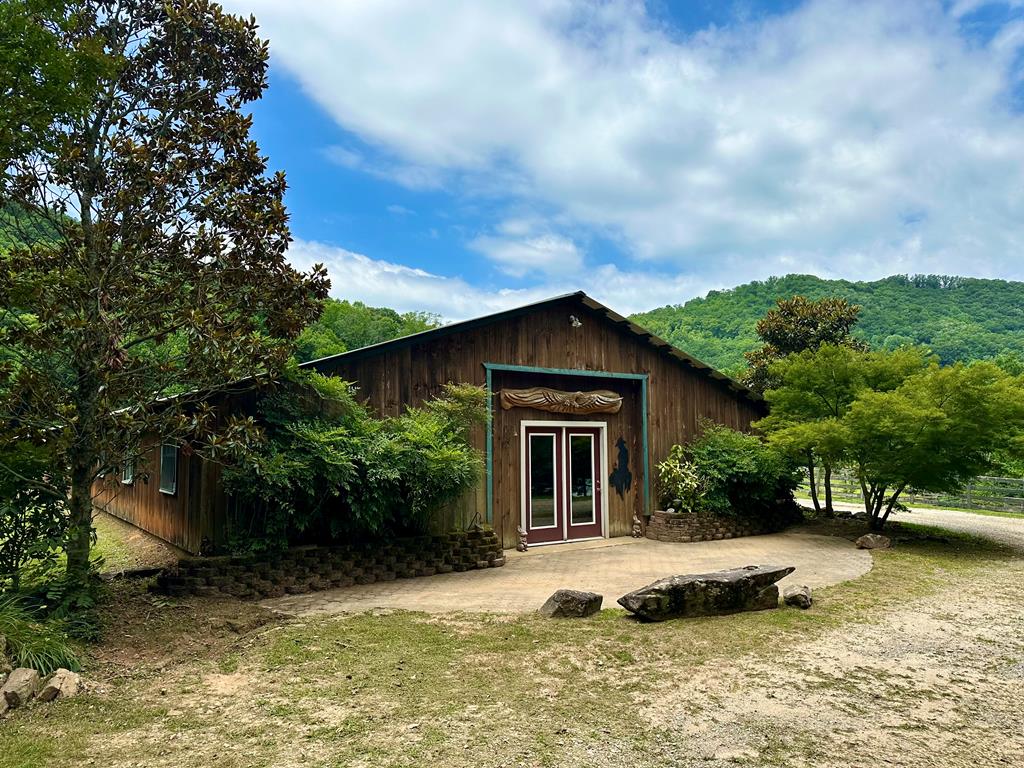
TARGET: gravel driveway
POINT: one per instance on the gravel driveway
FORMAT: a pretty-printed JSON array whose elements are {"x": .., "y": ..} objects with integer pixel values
[{"x": 1006, "y": 530}]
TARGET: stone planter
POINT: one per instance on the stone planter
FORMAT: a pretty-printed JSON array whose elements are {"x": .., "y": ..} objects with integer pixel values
[
  {"x": 687, "y": 527},
  {"x": 307, "y": 569}
]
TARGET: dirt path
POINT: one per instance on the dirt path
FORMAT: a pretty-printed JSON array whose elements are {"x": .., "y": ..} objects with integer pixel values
[
  {"x": 935, "y": 682},
  {"x": 1005, "y": 530}
]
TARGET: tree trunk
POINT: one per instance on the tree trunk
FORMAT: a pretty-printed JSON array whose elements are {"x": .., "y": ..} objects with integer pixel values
[
  {"x": 865, "y": 494},
  {"x": 79, "y": 541},
  {"x": 875, "y": 521},
  {"x": 814, "y": 487},
  {"x": 889, "y": 506},
  {"x": 829, "y": 511}
]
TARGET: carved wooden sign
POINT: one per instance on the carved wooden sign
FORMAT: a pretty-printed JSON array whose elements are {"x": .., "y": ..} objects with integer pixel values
[{"x": 544, "y": 399}]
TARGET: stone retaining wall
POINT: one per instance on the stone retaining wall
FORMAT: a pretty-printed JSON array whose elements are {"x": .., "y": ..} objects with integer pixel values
[
  {"x": 306, "y": 569},
  {"x": 689, "y": 526}
]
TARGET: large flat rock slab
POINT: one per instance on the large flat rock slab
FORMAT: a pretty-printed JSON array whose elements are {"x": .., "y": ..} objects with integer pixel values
[
  {"x": 611, "y": 567},
  {"x": 734, "y": 590}
]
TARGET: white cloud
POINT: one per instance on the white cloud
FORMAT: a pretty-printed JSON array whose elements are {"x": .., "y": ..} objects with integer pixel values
[
  {"x": 524, "y": 247},
  {"x": 857, "y": 138},
  {"x": 379, "y": 283},
  {"x": 547, "y": 254},
  {"x": 966, "y": 7}
]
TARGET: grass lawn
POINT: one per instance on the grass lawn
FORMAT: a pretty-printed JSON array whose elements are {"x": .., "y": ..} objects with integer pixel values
[{"x": 204, "y": 682}]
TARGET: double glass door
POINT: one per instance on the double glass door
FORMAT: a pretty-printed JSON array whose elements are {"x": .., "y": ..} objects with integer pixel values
[{"x": 562, "y": 483}]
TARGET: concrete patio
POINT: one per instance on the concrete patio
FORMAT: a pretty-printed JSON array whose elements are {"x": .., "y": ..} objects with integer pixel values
[{"x": 611, "y": 567}]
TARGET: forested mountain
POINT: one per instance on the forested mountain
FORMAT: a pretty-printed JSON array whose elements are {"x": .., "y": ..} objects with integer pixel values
[
  {"x": 348, "y": 325},
  {"x": 20, "y": 228},
  {"x": 958, "y": 318}
]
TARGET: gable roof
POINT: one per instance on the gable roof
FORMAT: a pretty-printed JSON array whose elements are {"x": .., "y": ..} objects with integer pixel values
[{"x": 582, "y": 298}]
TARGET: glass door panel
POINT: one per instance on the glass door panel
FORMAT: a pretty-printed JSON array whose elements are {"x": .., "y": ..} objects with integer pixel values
[
  {"x": 581, "y": 480},
  {"x": 543, "y": 482}
]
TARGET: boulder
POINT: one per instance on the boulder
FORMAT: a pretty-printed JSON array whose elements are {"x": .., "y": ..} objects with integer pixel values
[
  {"x": 571, "y": 604},
  {"x": 798, "y": 597},
  {"x": 63, "y": 684},
  {"x": 21, "y": 686},
  {"x": 751, "y": 588},
  {"x": 873, "y": 541}
]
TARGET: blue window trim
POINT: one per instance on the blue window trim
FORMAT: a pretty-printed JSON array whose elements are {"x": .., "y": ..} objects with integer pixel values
[{"x": 490, "y": 368}]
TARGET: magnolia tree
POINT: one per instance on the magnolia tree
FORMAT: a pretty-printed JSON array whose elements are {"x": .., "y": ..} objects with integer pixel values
[
  {"x": 160, "y": 276},
  {"x": 797, "y": 325}
]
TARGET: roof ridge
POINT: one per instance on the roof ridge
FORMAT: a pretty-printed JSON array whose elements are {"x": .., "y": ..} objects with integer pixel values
[{"x": 588, "y": 301}]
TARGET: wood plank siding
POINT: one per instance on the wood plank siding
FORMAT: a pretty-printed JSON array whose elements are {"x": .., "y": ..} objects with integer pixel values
[
  {"x": 679, "y": 394},
  {"x": 391, "y": 376}
]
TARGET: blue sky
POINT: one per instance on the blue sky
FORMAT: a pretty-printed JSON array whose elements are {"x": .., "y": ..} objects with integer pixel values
[{"x": 463, "y": 157}]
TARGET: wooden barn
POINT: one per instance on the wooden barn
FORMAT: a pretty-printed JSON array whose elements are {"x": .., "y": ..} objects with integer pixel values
[{"x": 585, "y": 403}]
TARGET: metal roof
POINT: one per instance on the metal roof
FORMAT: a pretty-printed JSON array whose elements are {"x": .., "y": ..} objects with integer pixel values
[{"x": 464, "y": 325}]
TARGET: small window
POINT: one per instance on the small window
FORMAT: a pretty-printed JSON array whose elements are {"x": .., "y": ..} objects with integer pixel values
[
  {"x": 168, "y": 468},
  {"x": 128, "y": 472}
]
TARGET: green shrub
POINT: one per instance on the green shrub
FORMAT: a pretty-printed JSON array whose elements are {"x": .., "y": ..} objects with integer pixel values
[
  {"x": 33, "y": 522},
  {"x": 329, "y": 467},
  {"x": 43, "y": 646},
  {"x": 681, "y": 484},
  {"x": 725, "y": 472}
]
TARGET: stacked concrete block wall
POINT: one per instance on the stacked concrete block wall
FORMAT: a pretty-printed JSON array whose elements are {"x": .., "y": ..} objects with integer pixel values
[
  {"x": 689, "y": 526},
  {"x": 307, "y": 569}
]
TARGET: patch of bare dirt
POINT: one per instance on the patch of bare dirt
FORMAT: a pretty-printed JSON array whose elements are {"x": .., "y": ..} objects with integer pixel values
[
  {"x": 144, "y": 633},
  {"x": 937, "y": 682}
]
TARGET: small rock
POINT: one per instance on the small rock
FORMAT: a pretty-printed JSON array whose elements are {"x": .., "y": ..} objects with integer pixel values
[
  {"x": 798, "y": 597},
  {"x": 571, "y": 604},
  {"x": 63, "y": 683},
  {"x": 873, "y": 541},
  {"x": 735, "y": 755},
  {"x": 21, "y": 686}
]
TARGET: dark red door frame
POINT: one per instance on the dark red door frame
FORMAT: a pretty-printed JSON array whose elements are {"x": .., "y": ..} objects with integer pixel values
[
  {"x": 596, "y": 528},
  {"x": 563, "y": 529}
]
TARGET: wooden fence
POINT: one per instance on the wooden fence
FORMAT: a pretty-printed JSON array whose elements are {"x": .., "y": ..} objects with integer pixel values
[{"x": 998, "y": 494}]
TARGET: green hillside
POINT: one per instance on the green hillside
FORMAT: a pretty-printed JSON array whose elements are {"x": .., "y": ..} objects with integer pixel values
[
  {"x": 959, "y": 318},
  {"x": 20, "y": 228}
]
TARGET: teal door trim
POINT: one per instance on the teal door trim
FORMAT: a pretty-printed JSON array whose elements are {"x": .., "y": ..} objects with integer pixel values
[{"x": 490, "y": 368}]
